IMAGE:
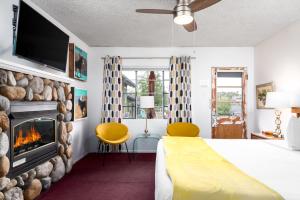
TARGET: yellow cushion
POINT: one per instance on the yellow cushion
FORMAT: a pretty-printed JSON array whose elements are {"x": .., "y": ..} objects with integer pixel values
[
  {"x": 183, "y": 129},
  {"x": 112, "y": 133}
]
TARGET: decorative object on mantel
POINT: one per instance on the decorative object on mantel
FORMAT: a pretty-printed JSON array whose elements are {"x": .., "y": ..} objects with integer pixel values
[
  {"x": 25, "y": 87},
  {"x": 77, "y": 63},
  {"x": 278, "y": 101},
  {"x": 293, "y": 136},
  {"x": 79, "y": 103},
  {"x": 261, "y": 94}
]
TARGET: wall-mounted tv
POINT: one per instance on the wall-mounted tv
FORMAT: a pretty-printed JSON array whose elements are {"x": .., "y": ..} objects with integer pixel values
[{"x": 40, "y": 40}]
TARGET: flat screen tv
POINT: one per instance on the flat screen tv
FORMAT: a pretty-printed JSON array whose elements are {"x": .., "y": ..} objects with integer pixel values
[{"x": 39, "y": 40}]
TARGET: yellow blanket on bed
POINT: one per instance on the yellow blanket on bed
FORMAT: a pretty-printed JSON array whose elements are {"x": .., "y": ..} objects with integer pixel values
[{"x": 199, "y": 173}]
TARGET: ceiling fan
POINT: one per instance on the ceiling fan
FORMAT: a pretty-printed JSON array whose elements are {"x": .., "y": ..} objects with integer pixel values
[{"x": 183, "y": 12}]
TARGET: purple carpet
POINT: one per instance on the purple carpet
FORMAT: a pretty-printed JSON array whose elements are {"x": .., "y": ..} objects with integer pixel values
[{"x": 117, "y": 179}]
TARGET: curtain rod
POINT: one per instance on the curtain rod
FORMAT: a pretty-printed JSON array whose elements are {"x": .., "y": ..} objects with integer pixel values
[{"x": 140, "y": 58}]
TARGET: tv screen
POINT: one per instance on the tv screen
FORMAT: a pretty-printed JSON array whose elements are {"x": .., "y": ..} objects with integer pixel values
[{"x": 40, "y": 40}]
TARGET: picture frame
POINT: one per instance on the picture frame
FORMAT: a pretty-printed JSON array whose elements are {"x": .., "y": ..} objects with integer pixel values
[
  {"x": 77, "y": 63},
  {"x": 261, "y": 94},
  {"x": 79, "y": 103}
]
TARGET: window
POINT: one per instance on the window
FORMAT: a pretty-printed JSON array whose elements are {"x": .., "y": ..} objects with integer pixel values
[
  {"x": 135, "y": 84},
  {"x": 229, "y": 94}
]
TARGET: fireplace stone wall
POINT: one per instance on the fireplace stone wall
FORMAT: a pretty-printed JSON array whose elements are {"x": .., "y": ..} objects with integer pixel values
[{"x": 16, "y": 86}]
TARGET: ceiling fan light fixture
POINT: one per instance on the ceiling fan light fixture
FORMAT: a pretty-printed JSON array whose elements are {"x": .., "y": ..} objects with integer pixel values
[{"x": 183, "y": 17}]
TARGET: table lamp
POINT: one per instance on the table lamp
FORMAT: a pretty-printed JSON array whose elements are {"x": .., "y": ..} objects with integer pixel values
[
  {"x": 278, "y": 101},
  {"x": 146, "y": 102}
]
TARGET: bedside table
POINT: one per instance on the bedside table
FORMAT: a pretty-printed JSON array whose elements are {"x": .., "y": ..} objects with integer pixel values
[
  {"x": 144, "y": 137},
  {"x": 263, "y": 136}
]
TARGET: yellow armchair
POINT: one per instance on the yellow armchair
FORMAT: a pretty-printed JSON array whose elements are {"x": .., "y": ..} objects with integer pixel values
[
  {"x": 112, "y": 134},
  {"x": 183, "y": 129}
]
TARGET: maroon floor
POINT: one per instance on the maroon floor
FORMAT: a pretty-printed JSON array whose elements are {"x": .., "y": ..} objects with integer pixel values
[{"x": 117, "y": 179}]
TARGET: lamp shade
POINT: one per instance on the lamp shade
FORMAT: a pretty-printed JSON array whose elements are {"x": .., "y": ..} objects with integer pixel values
[
  {"x": 147, "y": 101},
  {"x": 295, "y": 100},
  {"x": 277, "y": 100}
]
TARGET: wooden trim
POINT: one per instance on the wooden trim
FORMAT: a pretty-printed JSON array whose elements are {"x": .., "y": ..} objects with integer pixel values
[
  {"x": 71, "y": 60},
  {"x": 264, "y": 136},
  {"x": 296, "y": 110},
  {"x": 232, "y": 69}
]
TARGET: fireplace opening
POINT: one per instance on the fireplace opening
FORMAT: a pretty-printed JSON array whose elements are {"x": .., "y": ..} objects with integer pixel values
[{"x": 32, "y": 134}]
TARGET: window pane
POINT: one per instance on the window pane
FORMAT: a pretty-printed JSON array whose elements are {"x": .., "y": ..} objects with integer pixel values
[
  {"x": 166, "y": 99},
  {"x": 166, "y": 112},
  {"x": 225, "y": 81},
  {"x": 129, "y": 82},
  {"x": 128, "y": 99},
  {"x": 159, "y": 112},
  {"x": 158, "y": 99},
  {"x": 229, "y": 94},
  {"x": 142, "y": 81},
  {"x": 167, "y": 75},
  {"x": 166, "y": 87},
  {"x": 128, "y": 112},
  {"x": 229, "y": 109},
  {"x": 141, "y": 113}
]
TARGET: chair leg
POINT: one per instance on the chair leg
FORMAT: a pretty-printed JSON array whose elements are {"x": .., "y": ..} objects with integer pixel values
[
  {"x": 127, "y": 152},
  {"x": 99, "y": 146},
  {"x": 101, "y": 150},
  {"x": 105, "y": 150}
]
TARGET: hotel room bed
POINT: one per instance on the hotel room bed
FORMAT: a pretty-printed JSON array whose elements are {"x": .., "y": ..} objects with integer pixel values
[{"x": 270, "y": 162}]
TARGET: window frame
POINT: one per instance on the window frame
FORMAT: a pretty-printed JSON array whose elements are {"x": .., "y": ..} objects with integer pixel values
[{"x": 163, "y": 106}]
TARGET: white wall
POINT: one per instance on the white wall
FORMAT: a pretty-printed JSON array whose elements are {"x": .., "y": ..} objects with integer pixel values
[
  {"x": 201, "y": 70},
  {"x": 6, "y": 14},
  {"x": 278, "y": 59}
]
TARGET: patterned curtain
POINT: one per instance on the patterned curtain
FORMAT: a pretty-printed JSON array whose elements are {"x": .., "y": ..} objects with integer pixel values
[
  {"x": 180, "y": 90},
  {"x": 244, "y": 99},
  {"x": 112, "y": 90}
]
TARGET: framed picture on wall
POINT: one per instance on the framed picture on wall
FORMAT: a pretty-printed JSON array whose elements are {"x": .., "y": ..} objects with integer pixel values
[
  {"x": 79, "y": 103},
  {"x": 77, "y": 63},
  {"x": 261, "y": 94}
]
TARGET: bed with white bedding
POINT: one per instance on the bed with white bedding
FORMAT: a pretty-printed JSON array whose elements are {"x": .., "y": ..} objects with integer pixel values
[{"x": 269, "y": 161}]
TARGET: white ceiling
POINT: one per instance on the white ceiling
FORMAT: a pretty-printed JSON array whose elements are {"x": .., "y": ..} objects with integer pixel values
[{"x": 115, "y": 23}]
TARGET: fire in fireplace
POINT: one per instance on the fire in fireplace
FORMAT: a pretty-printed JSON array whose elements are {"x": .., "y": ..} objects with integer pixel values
[{"x": 33, "y": 134}]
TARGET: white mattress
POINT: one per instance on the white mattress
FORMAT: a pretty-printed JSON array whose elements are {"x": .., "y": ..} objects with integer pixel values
[{"x": 269, "y": 161}]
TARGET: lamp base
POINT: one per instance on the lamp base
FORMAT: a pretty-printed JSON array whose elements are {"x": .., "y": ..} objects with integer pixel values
[
  {"x": 146, "y": 133},
  {"x": 277, "y": 132}
]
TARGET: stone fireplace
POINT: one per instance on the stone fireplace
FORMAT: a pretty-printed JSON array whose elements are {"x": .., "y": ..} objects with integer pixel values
[
  {"x": 35, "y": 133},
  {"x": 33, "y": 137}
]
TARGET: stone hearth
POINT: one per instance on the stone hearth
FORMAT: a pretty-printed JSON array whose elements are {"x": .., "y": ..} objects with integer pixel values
[{"x": 20, "y": 87}]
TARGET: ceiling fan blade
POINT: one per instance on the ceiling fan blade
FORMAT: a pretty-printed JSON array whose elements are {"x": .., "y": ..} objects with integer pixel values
[
  {"x": 191, "y": 26},
  {"x": 154, "y": 11},
  {"x": 202, "y": 4}
]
